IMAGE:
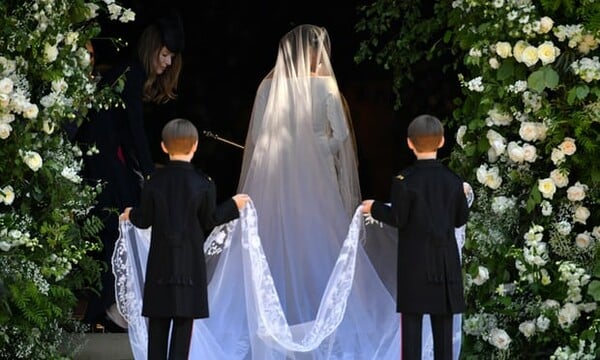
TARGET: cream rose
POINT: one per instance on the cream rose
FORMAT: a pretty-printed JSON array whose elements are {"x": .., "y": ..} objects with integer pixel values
[
  {"x": 4, "y": 100},
  {"x": 568, "y": 146},
  {"x": 50, "y": 52},
  {"x": 6, "y": 86},
  {"x": 527, "y": 328},
  {"x": 547, "y": 52},
  {"x": 577, "y": 192},
  {"x": 515, "y": 152},
  {"x": 31, "y": 111},
  {"x": 529, "y": 153},
  {"x": 583, "y": 240},
  {"x": 518, "y": 50},
  {"x": 557, "y": 156},
  {"x": 494, "y": 63},
  {"x": 503, "y": 49},
  {"x": 547, "y": 188},
  {"x": 8, "y": 195},
  {"x": 546, "y": 24},
  {"x": 559, "y": 177},
  {"x": 33, "y": 160},
  {"x": 5, "y": 130},
  {"x": 596, "y": 232},
  {"x": 581, "y": 215},
  {"x": 530, "y": 56}
]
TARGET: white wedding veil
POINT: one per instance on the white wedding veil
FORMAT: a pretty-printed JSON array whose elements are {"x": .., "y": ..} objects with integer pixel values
[{"x": 289, "y": 279}]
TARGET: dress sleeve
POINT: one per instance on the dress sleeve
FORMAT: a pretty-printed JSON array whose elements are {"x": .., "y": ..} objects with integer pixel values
[{"x": 337, "y": 122}]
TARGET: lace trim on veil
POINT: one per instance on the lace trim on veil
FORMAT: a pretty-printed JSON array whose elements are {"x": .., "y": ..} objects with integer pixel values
[{"x": 129, "y": 260}]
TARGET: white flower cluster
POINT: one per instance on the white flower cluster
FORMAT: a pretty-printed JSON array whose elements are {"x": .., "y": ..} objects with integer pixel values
[
  {"x": 587, "y": 69},
  {"x": 575, "y": 277},
  {"x": 500, "y": 204},
  {"x": 576, "y": 37},
  {"x": 531, "y": 327},
  {"x": 583, "y": 352},
  {"x": 14, "y": 232}
]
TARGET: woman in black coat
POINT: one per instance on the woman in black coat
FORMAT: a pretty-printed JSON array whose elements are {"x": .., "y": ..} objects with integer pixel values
[{"x": 123, "y": 158}]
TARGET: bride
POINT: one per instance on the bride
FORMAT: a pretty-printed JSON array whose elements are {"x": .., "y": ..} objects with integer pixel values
[{"x": 291, "y": 279}]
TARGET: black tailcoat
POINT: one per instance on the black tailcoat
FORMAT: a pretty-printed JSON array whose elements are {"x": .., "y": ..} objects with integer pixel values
[
  {"x": 179, "y": 202},
  {"x": 427, "y": 204}
]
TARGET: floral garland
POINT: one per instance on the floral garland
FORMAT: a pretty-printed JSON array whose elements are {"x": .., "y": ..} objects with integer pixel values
[
  {"x": 530, "y": 129},
  {"x": 46, "y": 233}
]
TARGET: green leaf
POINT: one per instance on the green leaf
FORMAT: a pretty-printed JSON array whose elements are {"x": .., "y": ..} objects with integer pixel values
[
  {"x": 551, "y": 78},
  {"x": 536, "y": 81},
  {"x": 506, "y": 70},
  {"x": 594, "y": 290}
]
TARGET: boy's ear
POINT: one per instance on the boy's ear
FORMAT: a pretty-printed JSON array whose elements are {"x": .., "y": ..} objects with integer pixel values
[
  {"x": 164, "y": 148},
  {"x": 410, "y": 144},
  {"x": 194, "y": 147},
  {"x": 442, "y": 142}
]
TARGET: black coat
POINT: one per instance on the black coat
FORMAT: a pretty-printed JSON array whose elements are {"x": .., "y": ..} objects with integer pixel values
[
  {"x": 124, "y": 157},
  {"x": 427, "y": 204},
  {"x": 179, "y": 203}
]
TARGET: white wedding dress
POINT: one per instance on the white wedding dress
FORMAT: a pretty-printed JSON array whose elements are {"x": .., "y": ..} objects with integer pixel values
[{"x": 294, "y": 276}]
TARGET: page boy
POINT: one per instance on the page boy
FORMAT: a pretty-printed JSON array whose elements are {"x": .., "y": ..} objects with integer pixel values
[
  {"x": 427, "y": 204},
  {"x": 179, "y": 202}
]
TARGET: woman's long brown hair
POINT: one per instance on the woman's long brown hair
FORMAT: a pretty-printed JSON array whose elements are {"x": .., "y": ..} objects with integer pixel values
[{"x": 157, "y": 88}]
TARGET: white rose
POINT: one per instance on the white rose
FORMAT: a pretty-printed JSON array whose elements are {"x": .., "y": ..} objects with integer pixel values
[
  {"x": 547, "y": 52},
  {"x": 559, "y": 177},
  {"x": 92, "y": 10},
  {"x": 547, "y": 188},
  {"x": 4, "y": 100},
  {"x": 497, "y": 117},
  {"x": 6, "y": 86},
  {"x": 499, "y": 338},
  {"x": 497, "y": 141},
  {"x": 568, "y": 314},
  {"x": 530, "y": 56},
  {"x": 48, "y": 126},
  {"x": 518, "y": 50},
  {"x": 8, "y": 195},
  {"x": 7, "y": 118},
  {"x": 33, "y": 160},
  {"x": 528, "y": 131},
  {"x": 50, "y": 52},
  {"x": 568, "y": 146},
  {"x": 460, "y": 133},
  {"x": 494, "y": 64},
  {"x": 596, "y": 232},
  {"x": 581, "y": 214},
  {"x": 5, "y": 130},
  {"x": 576, "y": 192},
  {"x": 503, "y": 49},
  {"x": 546, "y": 24},
  {"x": 583, "y": 240},
  {"x": 527, "y": 328},
  {"x": 30, "y": 111},
  {"x": 557, "y": 156},
  {"x": 127, "y": 16},
  {"x": 515, "y": 152},
  {"x": 529, "y": 153},
  {"x": 483, "y": 275}
]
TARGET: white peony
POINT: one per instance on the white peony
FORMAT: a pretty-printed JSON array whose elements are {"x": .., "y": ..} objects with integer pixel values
[
  {"x": 499, "y": 338},
  {"x": 527, "y": 328}
]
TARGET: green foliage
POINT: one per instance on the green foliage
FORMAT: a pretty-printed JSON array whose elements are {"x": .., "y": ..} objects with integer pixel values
[{"x": 47, "y": 235}]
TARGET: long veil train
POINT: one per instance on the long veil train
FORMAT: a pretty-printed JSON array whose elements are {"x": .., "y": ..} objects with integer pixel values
[{"x": 256, "y": 327}]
